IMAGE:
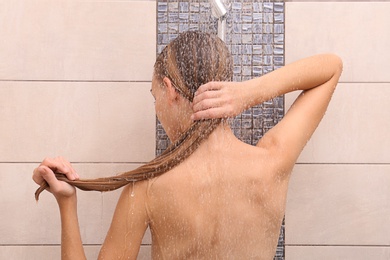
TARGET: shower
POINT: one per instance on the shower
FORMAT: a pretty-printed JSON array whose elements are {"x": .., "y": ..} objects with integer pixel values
[{"x": 219, "y": 11}]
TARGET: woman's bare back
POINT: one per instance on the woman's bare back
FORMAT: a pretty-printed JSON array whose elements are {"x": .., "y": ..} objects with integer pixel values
[{"x": 223, "y": 202}]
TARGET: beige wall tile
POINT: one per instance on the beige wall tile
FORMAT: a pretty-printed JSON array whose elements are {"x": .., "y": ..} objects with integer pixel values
[
  {"x": 77, "y": 40},
  {"x": 355, "y": 35},
  {"x": 54, "y": 252},
  {"x": 336, "y": 0},
  {"x": 24, "y": 221},
  {"x": 338, "y": 204},
  {"x": 355, "y": 128},
  {"x": 337, "y": 253},
  {"x": 145, "y": 253},
  {"x": 31, "y": 252},
  {"x": 84, "y": 121},
  {"x": 27, "y": 222}
]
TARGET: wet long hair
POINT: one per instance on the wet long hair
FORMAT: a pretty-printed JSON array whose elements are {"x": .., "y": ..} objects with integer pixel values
[{"x": 192, "y": 59}]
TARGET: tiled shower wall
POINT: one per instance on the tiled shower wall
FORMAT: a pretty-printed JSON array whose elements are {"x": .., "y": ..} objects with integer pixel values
[
  {"x": 338, "y": 203},
  {"x": 255, "y": 37},
  {"x": 75, "y": 81}
]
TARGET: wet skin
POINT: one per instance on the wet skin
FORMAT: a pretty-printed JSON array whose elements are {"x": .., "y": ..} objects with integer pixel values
[{"x": 226, "y": 200}]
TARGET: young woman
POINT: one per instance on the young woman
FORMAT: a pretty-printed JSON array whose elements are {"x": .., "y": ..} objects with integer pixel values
[{"x": 210, "y": 196}]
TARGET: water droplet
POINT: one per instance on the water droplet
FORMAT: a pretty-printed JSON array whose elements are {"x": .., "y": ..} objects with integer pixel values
[{"x": 132, "y": 190}]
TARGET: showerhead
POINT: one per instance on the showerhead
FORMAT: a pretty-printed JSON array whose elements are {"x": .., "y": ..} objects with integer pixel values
[{"x": 218, "y": 9}]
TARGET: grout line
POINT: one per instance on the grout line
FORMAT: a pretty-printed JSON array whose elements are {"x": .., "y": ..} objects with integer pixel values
[
  {"x": 337, "y": 1},
  {"x": 38, "y": 245},
  {"x": 327, "y": 163},
  {"x": 149, "y": 81},
  {"x": 51, "y": 245},
  {"x": 78, "y": 162},
  {"x": 92, "y": 81},
  {"x": 300, "y": 163},
  {"x": 364, "y": 82},
  {"x": 337, "y": 245}
]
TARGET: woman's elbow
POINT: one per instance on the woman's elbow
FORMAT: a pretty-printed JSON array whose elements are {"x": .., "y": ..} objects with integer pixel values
[
  {"x": 337, "y": 68},
  {"x": 337, "y": 63}
]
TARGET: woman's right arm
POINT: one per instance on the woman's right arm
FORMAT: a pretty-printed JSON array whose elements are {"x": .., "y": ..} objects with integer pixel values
[
  {"x": 65, "y": 194},
  {"x": 316, "y": 76},
  {"x": 128, "y": 225}
]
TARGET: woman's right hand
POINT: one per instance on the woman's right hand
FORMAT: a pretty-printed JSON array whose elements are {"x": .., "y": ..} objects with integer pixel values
[
  {"x": 219, "y": 100},
  {"x": 45, "y": 172}
]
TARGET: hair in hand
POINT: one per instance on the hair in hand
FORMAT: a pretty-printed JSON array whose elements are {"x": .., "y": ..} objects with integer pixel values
[{"x": 192, "y": 59}]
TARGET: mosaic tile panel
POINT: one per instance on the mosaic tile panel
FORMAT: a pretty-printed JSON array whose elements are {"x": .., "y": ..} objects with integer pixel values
[{"x": 254, "y": 36}]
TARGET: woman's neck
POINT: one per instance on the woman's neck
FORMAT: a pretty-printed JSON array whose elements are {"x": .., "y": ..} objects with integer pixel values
[{"x": 221, "y": 138}]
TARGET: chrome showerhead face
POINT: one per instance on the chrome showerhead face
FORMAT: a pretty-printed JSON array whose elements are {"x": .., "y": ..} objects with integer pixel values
[{"x": 218, "y": 9}]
